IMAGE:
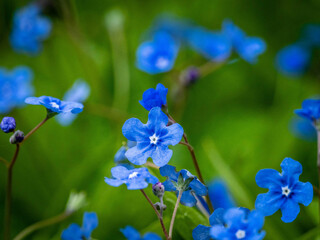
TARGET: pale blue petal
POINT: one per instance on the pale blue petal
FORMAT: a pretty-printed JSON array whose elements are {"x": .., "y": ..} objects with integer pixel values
[
  {"x": 161, "y": 155},
  {"x": 269, "y": 203},
  {"x": 201, "y": 233},
  {"x": 217, "y": 217},
  {"x": 255, "y": 220},
  {"x": 139, "y": 154},
  {"x": 219, "y": 232},
  {"x": 137, "y": 183},
  {"x": 157, "y": 120},
  {"x": 134, "y": 130},
  {"x": 120, "y": 172},
  {"x": 32, "y": 100},
  {"x": 89, "y": 223},
  {"x": 113, "y": 182},
  {"x": 234, "y": 216},
  {"x": 174, "y": 135}
]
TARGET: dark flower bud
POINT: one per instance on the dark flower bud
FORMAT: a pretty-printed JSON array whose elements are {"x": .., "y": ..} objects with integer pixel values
[
  {"x": 189, "y": 76},
  {"x": 17, "y": 137},
  {"x": 158, "y": 189},
  {"x": 8, "y": 124}
]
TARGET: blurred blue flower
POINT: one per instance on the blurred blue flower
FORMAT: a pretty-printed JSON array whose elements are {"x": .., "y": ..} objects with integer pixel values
[
  {"x": 152, "y": 138},
  {"x": 219, "y": 194},
  {"x": 137, "y": 178},
  {"x": 132, "y": 234},
  {"x": 157, "y": 55},
  {"x": 15, "y": 86},
  {"x": 310, "y": 110},
  {"x": 195, "y": 186},
  {"x": 29, "y": 30},
  {"x": 293, "y": 60},
  {"x": 154, "y": 97},
  {"x": 311, "y": 35},
  {"x": 303, "y": 128},
  {"x": 285, "y": 190},
  {"x": 79, "y": 92},
  {"x": 8, "y": 124},
  {"x": 120, "y": 156},
  {"x": 54, "y": 105},
  {"x": 75, "y": 232},
  {"x": 237, "y": 223}
]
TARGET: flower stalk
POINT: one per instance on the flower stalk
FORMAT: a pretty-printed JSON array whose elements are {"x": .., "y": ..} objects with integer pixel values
[{"x": 174, "y": 214}]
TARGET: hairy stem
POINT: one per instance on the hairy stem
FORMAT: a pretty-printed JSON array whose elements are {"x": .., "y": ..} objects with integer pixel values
[
  {"x": 35, "y": 129},
  {"x": 174, "y": 214}
]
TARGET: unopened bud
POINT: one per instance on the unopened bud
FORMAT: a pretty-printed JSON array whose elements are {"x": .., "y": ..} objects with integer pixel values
[
  {"x": 8, "y": 124},
  {"x": 158, "y": 189},
  {"x": 76, "y": 201},
  {"x": 17, "y": 137}
]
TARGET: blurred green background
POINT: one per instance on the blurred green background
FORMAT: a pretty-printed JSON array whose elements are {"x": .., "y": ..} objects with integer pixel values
[{"x": 236, "y": 117}]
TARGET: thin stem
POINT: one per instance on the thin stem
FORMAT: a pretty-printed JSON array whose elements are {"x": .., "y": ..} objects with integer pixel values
[
  {"x": 7, "y": 215},
  {"x": 35, "y": 129},
  {"x": 318, "y": 164},
  {"x": 174, "y": 214},
  {"x": 41, "y": 224},
  {"x": 161, "y": 205},
  {"x": 157, "y": 213}
]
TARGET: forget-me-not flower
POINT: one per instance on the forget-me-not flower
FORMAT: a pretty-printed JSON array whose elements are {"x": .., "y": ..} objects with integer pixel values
[
  {"x": 30, "y": 28},
  {"x": 79, "y": 92},
  {"x": 132, "y": 234},
  {"x": 75, "y": 232},
  {"x": 137, "y": 178},
  {"x": 195, "y": 186},
  {"x": 55, "y": 106},
  {"x": 152, "y": 138},
  {"x": 15, "y": 86},
  {"x": 154, "y": 97},
  {"x": 8, "y": 124},
  {"x": 310, "y": 110},
  {"x": 157, "y": 55},
  {"x": 303, "y": 128},
  {"x": 285, "y": 190}
]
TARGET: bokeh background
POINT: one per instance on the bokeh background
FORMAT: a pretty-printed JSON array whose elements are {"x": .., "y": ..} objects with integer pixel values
[{"x": 237, "y": 117}]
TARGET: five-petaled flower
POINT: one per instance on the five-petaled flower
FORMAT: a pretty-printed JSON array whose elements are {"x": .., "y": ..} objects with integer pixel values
[
  {"x": 154, "y": 97},
  {"x": 132, "y": 234},
  {"x": 55, "y": 106},
  {"x": 137, "y": 178},
  {"x": 310, "y": 110},
  {"x": 8, "y": 124},
  {"x": 152, "y": 138},
  {"x": 195, "y": 187},
  {"x": 285, "y": 190},
  {"x": 75, "y": 232}
]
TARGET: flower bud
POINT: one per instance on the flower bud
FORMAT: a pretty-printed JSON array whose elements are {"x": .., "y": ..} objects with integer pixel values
[
  {"x": 17, "y": 137},
  {"x": 8, "y": 124},
  {"x": 189, "y": 76},
  {"x": 76, "y": 201},
  {"x": 158, "y": 189}
]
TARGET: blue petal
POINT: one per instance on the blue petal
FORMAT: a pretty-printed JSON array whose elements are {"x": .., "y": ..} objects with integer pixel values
[
  {"x": 217, "y": 217},
  {"x": 303, "y": 129},
  {"x": 174, "y": 135},
  {"x": 302, "y": 193},
  {"x": 168, "y": 186},
  {"x": 79, "y": 92},
  {"x": 251, "y": 48},
  {"x": 290, "y": 210},
  {"x": 267, "y": 178},
  {"x": 220, "y": 195},
  {"x": 188, "y": 199},
  {"x": 139, "y": 154},
  {"x": 157, "y": 120},
  {"x": 130, "y": 233},
  {"x": 32, "y": 100},
  {"x": 72, "y": 107},
  {"x": 161, "y": 155},
  {"x": 255, "y": 220},
  {"x": 113, "y": 182},
  {"x": 89, "y": 223},
  {"x": 73, "y": 232},
  {"x": 269, "y": 203},
  {"x": 169, "y": 171},
  {"x": 219, "y": 232},
  {"x": 151, "y": 236},
  {"x": 150, "y": 99},
  {"x": 163, "y": 91},
  {"x": 134, "y": 130},
  {"x": 198, "y": 187},
  {"x": 234, "y": 216},
  {"x": 291, "y": 169},
  {"x": 136, "y": 183},
  {"x": 201, "y": 233},
  {"x": 120, "y": 172}
]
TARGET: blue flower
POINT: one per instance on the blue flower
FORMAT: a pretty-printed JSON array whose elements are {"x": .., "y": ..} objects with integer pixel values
[
  {"x": 303, "y": 128},
  {"x": 310, "y": 110},
  {"x": 154, "y": 97},
  {"x": 15, "y": 86},
  {"x": 293, "y": 60},
  {"x": 120, "y": 155},
  {"x": 79, "y": 92},
  {"x": 54, "y": 105},
  {"x": 220, "y": 195},
  {"x": 285, "y": 190},
  {"x": 132, "y": 234},
  {"x": 29, "y": 30},
  {"x": 152, "y": 138},
  {"x": 158, "y": 55},
  {"x": 195, "y": 186},
  {"x": 8, "y": 124},
  {"x": 137, "y": 178},
  {"x": 75, "y": 232}
]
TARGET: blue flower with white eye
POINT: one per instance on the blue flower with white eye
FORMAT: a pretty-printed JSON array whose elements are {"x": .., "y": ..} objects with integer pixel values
[
  {"x": 132, "y": 234},
  {"x": 137, "y": 178},
  {"x": 75, "y": 232},
  {"x": 293, "y": 60},
  {"x": 310, "y": 110},
  {"x": 303, "y": 128},
  {"x": 157, "y": 55},
  {"x": 55, "y": 106},
  {"x": 79, "y": 92},
  {"x": 195, "y": 186},
  {"x": 154, "y": 97},
  {"x": 285, "y": 190},
  {"x": 152, "y": 138},
  {"x": 30, "y": 28},
  {"x": 8, "y": 124},
  {"x": 311, "y": 35},
  {"x": 15, "y": 86}
]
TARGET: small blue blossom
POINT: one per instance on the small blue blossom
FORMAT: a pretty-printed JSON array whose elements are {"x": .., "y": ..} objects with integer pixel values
[
  {"x": 8, "y": 124},
  {"x": 54, "y": 105},
  {"x": 15, "y": 86},
  {"x": 75, "y": 232},
  {"x": 310, "y": 110},
  {"x": 293, "y": 60},
  {"x": 285, "y": 190},
  {"x": 132, "y": 234},
  {"x": 29, "y": 30},
  {"x": 303, "y": 128},
  {"x": 195, "y": 186},
  {"x": 152, "y": 138},
  {"x": 79, "y": 92},
  {"x": 157, "y": 55},
  {"x": 154, "y": 97},
  {"x": 137, "y": 178}
]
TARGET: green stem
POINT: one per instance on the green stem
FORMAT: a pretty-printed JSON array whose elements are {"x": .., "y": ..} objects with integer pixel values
[
  {"x": 41, "y": 224},
  {"x": 35, "y": 129},
  {"x": 174, "y": 214}
]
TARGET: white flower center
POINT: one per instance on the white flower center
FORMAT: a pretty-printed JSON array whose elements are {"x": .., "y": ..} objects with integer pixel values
[
  {"x": 133, "y": 175},
  {"x": 240, "y": 234},
  {"x": 54, "y": 105},
  {"x": 162, "y": 62},
  {"x": 286, "y": 191},
  {"x": 153, "y": 139}
]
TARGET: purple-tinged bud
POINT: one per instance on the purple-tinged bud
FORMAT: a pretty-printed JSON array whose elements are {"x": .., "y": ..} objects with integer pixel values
[
  {"x": 8, "y": 124},
  {"x": 189, "y": 76},
  {"x": 158, "y": 189},
  {"x": 17, "y": 137}
]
